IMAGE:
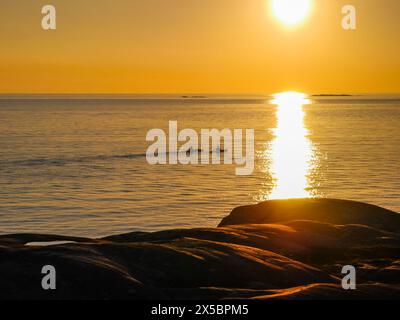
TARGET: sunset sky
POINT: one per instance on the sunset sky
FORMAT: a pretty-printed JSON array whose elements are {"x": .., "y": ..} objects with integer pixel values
[{"x": 193, "y": 46}]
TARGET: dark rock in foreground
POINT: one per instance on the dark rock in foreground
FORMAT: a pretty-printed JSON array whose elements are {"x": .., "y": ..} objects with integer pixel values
[
  {"x": 322, "y": 210},
  {"x": 286, "y": 249}
]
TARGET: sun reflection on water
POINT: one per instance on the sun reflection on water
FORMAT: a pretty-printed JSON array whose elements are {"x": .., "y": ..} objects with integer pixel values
[{"x": 291, "y": 150}]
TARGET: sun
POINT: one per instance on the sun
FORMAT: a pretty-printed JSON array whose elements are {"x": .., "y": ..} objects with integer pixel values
[{"x": 291, "y": 12}]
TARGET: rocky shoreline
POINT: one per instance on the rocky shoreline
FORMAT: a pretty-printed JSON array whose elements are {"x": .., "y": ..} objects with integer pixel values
[{"x": 281, "y": 249}]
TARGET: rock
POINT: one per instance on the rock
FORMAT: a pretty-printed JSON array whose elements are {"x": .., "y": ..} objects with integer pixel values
[
  {"x": 321, "y": 210},
  {"x": 292, "y": 249}
]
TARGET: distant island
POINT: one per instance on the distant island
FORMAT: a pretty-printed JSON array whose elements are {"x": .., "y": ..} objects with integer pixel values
[
  {"x": 332, "y": 95},
  {"x": 193, "y": 97}
]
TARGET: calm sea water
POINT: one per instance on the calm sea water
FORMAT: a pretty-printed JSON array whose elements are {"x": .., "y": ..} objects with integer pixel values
[{"x": 78, "y": 167}]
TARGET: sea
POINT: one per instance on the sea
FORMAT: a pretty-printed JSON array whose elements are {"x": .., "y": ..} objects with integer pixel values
[{"x": 76, "y": 164}]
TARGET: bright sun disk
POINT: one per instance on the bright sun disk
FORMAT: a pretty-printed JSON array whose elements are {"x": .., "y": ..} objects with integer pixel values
[{"x": 291, "y": 12}]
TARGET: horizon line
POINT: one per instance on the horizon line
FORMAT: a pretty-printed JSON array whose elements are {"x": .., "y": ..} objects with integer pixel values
[{"x": 194, "y": 94}]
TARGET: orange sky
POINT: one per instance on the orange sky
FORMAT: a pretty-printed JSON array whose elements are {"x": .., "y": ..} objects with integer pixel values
[{"x": 191, "y": 46}]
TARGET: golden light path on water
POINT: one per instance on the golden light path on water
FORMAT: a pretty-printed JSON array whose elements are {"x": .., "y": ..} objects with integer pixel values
[{"x": 291, "y": 152}]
